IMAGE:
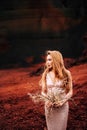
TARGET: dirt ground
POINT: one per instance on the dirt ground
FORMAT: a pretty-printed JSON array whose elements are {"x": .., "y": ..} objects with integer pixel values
[{"x": 19, "y": 112}]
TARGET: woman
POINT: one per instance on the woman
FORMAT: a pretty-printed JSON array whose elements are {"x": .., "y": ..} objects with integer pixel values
[{"x": 56, "y": 80}]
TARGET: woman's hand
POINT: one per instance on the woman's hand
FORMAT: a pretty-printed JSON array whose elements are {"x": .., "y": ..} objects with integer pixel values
[
  {"x": 58, "y": 104},
  {"x": 49, "y": 104}
]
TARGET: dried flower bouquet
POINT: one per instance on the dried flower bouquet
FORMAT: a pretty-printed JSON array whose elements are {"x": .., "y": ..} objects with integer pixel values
[{"x": 52, "y": 97}]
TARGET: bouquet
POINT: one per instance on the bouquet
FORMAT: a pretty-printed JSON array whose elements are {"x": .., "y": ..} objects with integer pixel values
[{"x": 53, "y": 97}]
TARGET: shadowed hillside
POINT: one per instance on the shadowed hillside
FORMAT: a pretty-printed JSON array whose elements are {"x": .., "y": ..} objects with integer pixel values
[
  {"x": 17, "y": 111},
  {"x": 29, "y": 28}
]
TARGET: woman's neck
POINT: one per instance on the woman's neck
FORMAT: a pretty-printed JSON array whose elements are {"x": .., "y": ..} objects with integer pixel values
[{"x": 52, "y": 75}]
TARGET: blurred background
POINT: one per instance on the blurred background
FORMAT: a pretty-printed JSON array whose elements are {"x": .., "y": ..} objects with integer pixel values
[
  {"x": 27, "y": 29},
  {"x": 30, "y": 27}
]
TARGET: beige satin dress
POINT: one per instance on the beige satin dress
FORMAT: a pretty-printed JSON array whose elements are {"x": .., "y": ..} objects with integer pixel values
[{"x": 56, "y": 117}]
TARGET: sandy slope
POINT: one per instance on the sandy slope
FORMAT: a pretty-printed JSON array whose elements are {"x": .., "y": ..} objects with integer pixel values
[{"x": 18, "y": 112}]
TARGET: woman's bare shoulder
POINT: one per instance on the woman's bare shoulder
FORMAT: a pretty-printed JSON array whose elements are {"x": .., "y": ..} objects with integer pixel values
[
  {"x": 68, "y": 72},
  {"x": 69, "y": 75}
]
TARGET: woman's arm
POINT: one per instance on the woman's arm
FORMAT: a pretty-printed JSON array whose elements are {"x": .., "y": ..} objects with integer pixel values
[
  {"x": 70, "y": 89},
  {"x": 48, "y": 103},
  {"x": 69, "y": 93},
  {"x": 44, "y": 89}
]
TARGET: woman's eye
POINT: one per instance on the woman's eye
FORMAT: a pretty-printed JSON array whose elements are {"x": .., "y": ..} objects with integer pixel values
[{"x": 49, "y": 59}]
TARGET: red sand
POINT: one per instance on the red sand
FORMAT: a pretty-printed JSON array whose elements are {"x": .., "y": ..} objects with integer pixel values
[{"x": 18, "y": 112}]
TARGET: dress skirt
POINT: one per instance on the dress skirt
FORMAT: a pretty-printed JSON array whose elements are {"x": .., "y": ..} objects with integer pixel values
[{"x": 56, "y": 118}]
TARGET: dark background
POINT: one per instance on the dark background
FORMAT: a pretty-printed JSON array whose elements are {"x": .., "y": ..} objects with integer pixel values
[
  {"x": 27, "y": 29},
  {"x": 30, "y": 27}
]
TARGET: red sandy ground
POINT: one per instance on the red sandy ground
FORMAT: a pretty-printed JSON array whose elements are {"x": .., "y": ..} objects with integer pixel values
[{"x": 18, "y": 112}]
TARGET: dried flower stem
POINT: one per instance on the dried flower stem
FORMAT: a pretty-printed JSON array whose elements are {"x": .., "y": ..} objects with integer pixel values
[{"x": 41, "y": 98}]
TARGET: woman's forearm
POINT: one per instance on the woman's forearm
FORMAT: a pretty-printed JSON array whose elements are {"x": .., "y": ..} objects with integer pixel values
[
  {"x": 67, "y": 97},
  {"x": 44, "y": 94}
]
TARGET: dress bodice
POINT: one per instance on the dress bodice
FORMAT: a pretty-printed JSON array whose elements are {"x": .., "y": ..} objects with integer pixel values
[{"x": 54, "y": 87}]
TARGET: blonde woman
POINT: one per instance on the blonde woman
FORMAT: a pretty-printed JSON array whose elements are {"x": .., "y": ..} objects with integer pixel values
[{"x": 56, "y": 82}]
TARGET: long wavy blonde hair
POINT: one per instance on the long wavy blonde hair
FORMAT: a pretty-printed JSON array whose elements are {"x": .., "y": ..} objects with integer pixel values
[{"x": 58, "y": 66}]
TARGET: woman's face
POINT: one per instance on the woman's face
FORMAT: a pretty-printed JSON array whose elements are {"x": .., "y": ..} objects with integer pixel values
[{"x": 49, "y": 62}]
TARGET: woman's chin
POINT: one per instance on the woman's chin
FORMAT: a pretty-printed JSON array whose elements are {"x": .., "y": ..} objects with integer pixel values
[{"x": 50, "y": 68}]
